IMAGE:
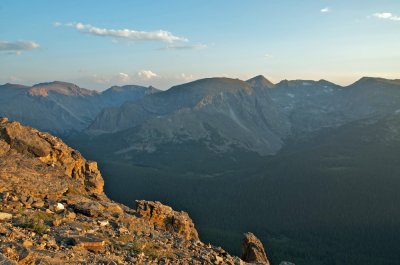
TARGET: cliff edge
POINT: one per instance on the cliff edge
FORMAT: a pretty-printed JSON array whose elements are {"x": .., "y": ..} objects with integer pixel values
[{"x": 53, "y": 211}]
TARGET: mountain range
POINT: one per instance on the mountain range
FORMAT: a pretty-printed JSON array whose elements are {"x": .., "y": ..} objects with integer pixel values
[
  {"x": 255, "y": 114},
  {"x": 225, "y": 114},
  {"x": 310, "y": 166},
  {"x": 61, "y": 107}
]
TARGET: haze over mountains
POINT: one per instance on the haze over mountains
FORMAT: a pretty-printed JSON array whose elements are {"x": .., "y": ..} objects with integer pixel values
[
  {"x": 255, "y": 115},
  {"x": 310, "y": 166},
  {"x": 61, "y": 107}
]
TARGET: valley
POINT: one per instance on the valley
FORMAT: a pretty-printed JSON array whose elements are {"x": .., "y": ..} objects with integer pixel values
[{"x": 298, "y": 163}]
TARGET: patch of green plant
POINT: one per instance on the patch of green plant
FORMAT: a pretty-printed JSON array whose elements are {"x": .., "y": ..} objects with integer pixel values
[
  {"x": 150, "y": 249},
  {"x": 35, "y": 222}
]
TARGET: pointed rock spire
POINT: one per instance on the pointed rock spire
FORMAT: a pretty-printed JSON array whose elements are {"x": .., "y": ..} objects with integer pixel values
[{"x": 253, "y": 250}]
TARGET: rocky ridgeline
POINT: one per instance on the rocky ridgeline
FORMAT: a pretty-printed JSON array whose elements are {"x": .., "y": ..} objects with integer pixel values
[{"x": 53, "y": 211}]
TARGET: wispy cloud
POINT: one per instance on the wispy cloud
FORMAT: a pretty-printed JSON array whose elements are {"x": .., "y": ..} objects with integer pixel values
[
  {"x": 147, "y": 74},
  {"x": 120, "y": 78},
  {"x": 129, "y": 34},
  {"x": 185, "y": 47},
  {"x": 18, "y": 47},
  {"x": 325, "y": 10},
  {"x": 186, "y": 77},
  {"x": 387, "y": 16},
  {"x": 123, "y": 77}
]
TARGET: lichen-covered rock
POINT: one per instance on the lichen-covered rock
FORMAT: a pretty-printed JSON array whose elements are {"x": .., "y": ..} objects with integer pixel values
[
  {"x": 164, "y": 217},
  {"x": 253, "y": 250}
]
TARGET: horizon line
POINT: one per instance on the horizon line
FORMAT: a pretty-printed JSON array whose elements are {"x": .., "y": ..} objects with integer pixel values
[{"x": 194, "y": 80}]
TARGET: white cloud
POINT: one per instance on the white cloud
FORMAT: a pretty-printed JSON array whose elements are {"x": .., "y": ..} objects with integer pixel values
[
  {"x": 186, "y": 77},
  {"x": 129, "y": 34},
  {"x": 18, "y": 47},
  {"x": 147, "y": 74},
  {"x": 387, "y": 15},
  {"x": 325, "y": 10},
  {"x": 185, "y": 47},
  {"x": 124, "y": 77},
  {"x": 120, "y": 78}
]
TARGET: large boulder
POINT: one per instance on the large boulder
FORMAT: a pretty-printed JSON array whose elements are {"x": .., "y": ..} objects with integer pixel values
[
  {"x": 253, "y": 250},
  {"x": 164, "y": 217}
]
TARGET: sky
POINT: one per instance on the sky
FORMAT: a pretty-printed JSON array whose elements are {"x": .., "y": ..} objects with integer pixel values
[{"x": 97, "y": 44}]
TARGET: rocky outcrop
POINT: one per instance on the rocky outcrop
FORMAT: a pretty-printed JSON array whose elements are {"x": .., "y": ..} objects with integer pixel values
[
  {"x": 53, "y": 211},
  {"x": 253, "y": 250},
  {"x": 164, "y": 217},
  {"x": 42, "y": 149}
]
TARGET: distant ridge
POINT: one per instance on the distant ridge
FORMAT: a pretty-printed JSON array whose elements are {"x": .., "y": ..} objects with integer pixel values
[
  {"x": 60, "y": 107},
  {"x": 63, "y": 88},
  {"x": 65, "y": 107},
  {"x": 373, "y": 80}
]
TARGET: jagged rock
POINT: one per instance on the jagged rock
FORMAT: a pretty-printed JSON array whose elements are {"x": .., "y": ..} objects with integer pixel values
[
  {"x": 253, "y": 250},
  {"x": 114, "y": 209},
  {"x": 90, "y": 243},
  {"x": 5, "y": 216},
  {"x": 103, "y": 222},
  {"x": 27, "y": 201},
  {"x": 21, "y": 253},
  {"x": 70, "y": 216},
  {"x": 46, "y": 152},
  {"x": 90, "y": 209},
  {"x": 61, "y": 214},
  {"x": 4, "y": 147},
  {"x": 93, "y": 178},
  {"x": 5, "y": 261},
  {"x": 165, "y": 217},
  {"x": 38, "y": 203}
]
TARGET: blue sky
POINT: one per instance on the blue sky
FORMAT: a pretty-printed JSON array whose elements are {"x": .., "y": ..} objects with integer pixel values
[{"x": 96, "y": 44}]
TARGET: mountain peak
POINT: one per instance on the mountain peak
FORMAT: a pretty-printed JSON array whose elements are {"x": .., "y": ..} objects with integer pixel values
[
  {"x": 211, "y": 86},
  {"x": 130, "y": 88},
  {"x": 324, "y": 82},
  {"x": 306, "y": 83},
  {"x": 15, "y": 86},
  {"x": 260, "y": 81},
  {"x": 59, "y": 87},
  {"x": 366, "y": 80}
]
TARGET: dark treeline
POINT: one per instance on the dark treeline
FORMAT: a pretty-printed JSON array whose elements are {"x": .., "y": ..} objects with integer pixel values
[{"x": 330, "y": 199}]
